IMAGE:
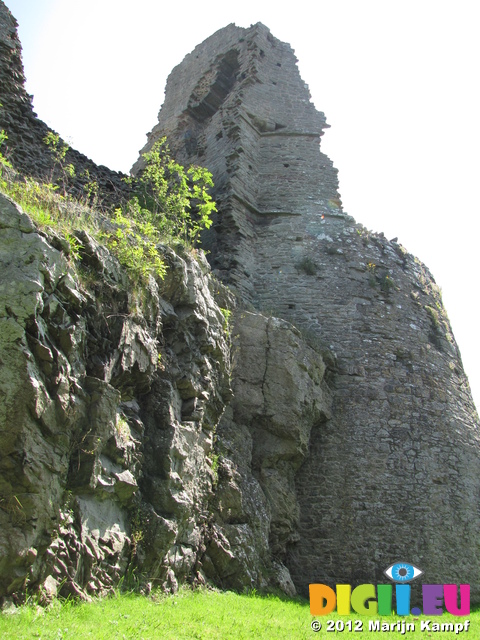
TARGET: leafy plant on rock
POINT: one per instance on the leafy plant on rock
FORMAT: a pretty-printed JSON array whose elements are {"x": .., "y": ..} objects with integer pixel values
[
  {"x": 135, "y": 243},
  {"x": 307, "y": 265},
  {"x": 3, "y": 137},
  {"x": 171, "y": 204},
  {"x": 175, "y": 200}
]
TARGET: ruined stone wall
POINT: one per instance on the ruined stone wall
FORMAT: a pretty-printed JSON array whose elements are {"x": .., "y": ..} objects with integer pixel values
[
  {"x": 394, "y": 472},
  {"x": 25, "y": 148},
  {"x": 220, "y": 110}
]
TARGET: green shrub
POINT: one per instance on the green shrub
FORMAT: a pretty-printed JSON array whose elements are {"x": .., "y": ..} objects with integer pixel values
[
  {"x": 171, "y": 205},
  {"x": 61, "y": 170},
  {"x": 175, "y": 200},
  {"x": 135, "y": 242},
  {"x": 3, "y": 137},
  {"x": 226, "y": 319}
]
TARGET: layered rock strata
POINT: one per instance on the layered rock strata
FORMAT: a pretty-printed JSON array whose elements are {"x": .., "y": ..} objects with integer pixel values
[{"x": 394, "y": 470}]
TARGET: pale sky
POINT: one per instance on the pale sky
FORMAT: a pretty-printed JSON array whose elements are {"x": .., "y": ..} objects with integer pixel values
[{"x": 397, "y": 80}]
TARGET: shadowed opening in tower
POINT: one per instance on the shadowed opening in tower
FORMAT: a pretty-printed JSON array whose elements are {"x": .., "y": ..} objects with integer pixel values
[{"x": 205, "y": 106}]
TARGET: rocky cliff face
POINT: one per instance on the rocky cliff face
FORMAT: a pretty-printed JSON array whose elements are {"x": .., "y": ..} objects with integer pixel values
[
  {"x": 111, "y": 400},
  {"x": 113, "y": 466},
  {"x": 324, "y": 432},
  {"x": 104, "y": 401}
]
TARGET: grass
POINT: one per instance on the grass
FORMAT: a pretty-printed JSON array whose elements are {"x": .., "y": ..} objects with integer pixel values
[
  {"x": 189, "y": 614},
  {"x": 45, "y": 205},
  {"x": 200, "y": 614},
  {"x": 171, "y": 205},
  {"x": 133, "y": 243}
]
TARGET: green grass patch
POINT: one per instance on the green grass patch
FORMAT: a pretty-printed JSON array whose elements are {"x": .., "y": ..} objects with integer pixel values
[
  {"x": 188, "y": 614},
  {"x": 201, "y": 614}
]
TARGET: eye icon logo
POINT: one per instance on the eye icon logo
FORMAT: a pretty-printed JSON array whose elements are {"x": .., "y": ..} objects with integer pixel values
[{"x": 402, "y": 572}]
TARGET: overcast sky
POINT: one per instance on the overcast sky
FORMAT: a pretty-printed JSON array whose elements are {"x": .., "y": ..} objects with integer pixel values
[{"x": 397, "y": 80}]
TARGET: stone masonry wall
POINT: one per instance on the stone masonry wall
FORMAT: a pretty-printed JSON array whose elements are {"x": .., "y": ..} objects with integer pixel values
[
  {"x": 394, "y": 473},
  {"x": 208, "y": 120},
  {"x": 351, "y": 441},
  {"x": 25, "y": 147}
]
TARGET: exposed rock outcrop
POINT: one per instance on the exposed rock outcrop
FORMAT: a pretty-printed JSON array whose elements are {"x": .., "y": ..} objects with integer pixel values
[
  {"x": 280, "y": 395},
  {"x": 107, "y": 414}
]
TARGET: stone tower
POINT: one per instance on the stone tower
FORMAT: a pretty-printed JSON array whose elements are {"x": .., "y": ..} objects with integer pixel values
[{"x": 393, "y": 469}]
